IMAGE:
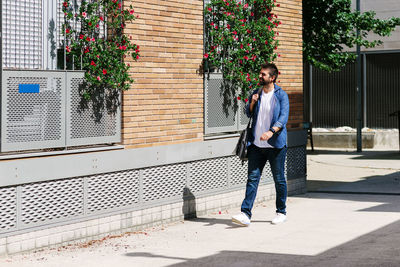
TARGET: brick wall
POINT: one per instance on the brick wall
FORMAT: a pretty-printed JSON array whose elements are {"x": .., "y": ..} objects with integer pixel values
[
  {"x": 165, "y": 105},
  {"x": 290, "y": 62}
]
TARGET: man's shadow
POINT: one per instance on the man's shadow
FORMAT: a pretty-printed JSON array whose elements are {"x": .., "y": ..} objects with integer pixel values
[{"x": 190, "y": 213}]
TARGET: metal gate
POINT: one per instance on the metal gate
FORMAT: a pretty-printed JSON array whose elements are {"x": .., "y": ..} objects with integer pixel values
[{"x": 334, "y": 97}]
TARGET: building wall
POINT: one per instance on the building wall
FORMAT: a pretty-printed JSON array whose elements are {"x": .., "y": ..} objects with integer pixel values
[
  {"x": 173, "y": 171},
  {"x": 165, "y": 105},
  {"x": 290, "y": 62},
  {"x": 384, "y": 9}
]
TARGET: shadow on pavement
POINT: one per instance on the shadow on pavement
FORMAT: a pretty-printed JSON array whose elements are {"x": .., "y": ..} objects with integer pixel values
[
  {"x": 227, "y": 222},
  {"x": 378, "y": 248}
]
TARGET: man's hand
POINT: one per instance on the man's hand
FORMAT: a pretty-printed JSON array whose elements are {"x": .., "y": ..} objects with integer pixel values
[
  {"x": 267, "y": 135},
  {"x": 254, "y": 99}
]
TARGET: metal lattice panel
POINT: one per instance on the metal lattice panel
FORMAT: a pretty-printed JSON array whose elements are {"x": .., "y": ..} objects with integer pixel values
[
  {"x": 8, "y": 208},
  {"x": 208, "y": 174},
  {"x": 216, "y": 119},
  {"x": 22, "y": 34},
  {"x": 113, "y": 190},
  {"x": 33, "y": 116},
  {"x": 48, "y": 201},
  {"x": 238, "y": 171},
  {"x": 296, "y": 162},
  {"x": 83, "y": 123},
  {"x": 164, "y": 182}
]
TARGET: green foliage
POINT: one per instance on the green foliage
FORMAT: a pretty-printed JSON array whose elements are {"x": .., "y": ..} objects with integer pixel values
[
  {"x": 240, "y": 37},
  {"x": 329, "y": 25},
  {"x": 95, "y": 42}
]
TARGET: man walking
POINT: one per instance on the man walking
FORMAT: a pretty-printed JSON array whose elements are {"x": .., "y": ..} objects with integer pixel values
[{"x": 269, "y": 107}]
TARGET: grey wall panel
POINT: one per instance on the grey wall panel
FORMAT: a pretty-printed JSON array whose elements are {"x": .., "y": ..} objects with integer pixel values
[{"x": 32, "y": 117}]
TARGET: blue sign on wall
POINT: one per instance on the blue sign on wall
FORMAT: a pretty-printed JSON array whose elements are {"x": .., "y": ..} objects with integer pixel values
[{"x": 29, "y": 88}]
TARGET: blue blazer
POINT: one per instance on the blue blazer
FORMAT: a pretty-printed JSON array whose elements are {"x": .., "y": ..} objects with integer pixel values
[{"x": 279, "y": 118}]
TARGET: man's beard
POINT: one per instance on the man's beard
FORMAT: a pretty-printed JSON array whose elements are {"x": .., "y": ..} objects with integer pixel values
[{"x": 263, "y": 82}]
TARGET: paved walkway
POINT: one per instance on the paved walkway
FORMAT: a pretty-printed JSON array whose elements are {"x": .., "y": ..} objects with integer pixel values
[{"x": 351, "y": 218}]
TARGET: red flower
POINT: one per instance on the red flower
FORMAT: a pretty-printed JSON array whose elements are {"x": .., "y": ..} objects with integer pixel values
[
  {"x": 246, "y": 57},
  {"x": 266, "y": 42},
  {"x": 92, "y": 63},
  {"x": 98, "y": 78},
  {"x": 101, "y": 18},
  {"x": 119, "y": 5},
  {"x": 209, "y": 9},
  {"x": 104, "y": 72},
  {"x": 88, "y": 39},
  {"x": 137, "y": 57},
  {"x": 65, "y": 4},
  {"x": 245, "y": 100},
  {"x": 90, "y": 24},
  {"x": 238, "y": 98},
  {"x": 205, "y": 55},
  {"x": 67, "y": 30},
  {"x": 278, "y": 5},
  {"x": 131, "y": 11},
  {"x": 97, "y": 25},
  {"x": 84, "y": 14},
  {"x": 81, "y": 36},
  {"x": 68, "y": 48}
]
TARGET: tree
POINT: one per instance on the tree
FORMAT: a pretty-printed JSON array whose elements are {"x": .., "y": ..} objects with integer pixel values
[{"x": 330, "y": 25}]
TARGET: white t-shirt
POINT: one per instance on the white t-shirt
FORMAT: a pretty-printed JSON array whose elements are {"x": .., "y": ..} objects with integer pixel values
[{"x": 264, "y": 118}]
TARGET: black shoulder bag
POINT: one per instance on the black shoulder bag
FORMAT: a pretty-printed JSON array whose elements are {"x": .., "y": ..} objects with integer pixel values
[{"x": 241, "y": 147}]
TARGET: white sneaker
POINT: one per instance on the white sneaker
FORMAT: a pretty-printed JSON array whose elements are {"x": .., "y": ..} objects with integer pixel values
[
  {"x": 241, "y": 219},
  {"x": 280, "y": 218}
]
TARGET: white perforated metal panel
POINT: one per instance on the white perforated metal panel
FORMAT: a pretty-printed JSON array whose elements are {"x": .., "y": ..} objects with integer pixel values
[
  {"x": 84, "y": 126},
  {"x": 49, "y": 201},
  {"x": 208, "y": 174},
  {"x": 35, "y": 119},
  {"x": 22, "y": 34},
  {"x": 164, "y": 182},
  {"x": 238, "y": 171},
  {"x": 8, "y": 208},
  {"x": 113, "y": 190}
]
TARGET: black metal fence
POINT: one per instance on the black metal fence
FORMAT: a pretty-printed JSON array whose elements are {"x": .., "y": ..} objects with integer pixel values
[{"x": 332, "y": 101}]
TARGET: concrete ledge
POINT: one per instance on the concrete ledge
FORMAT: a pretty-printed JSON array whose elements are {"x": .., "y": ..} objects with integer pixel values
[{"x": 342, "y": 139}]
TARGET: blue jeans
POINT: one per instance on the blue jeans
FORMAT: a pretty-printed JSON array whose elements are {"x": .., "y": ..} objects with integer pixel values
[{"x": 257, "y": 158}]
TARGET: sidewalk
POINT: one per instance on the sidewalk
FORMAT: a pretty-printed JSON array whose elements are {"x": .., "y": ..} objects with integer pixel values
[{"x": 343, "y": 227}]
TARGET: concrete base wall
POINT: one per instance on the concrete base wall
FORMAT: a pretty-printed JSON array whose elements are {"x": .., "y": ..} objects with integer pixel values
[
  {"x": 376, "y": 139},
  {"x": 80, "y": 232}
]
